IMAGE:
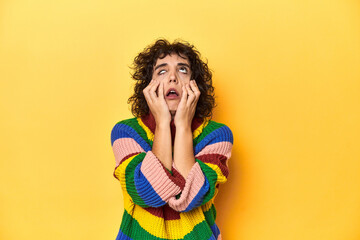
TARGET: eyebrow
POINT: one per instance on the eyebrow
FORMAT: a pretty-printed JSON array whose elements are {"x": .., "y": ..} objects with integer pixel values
[{"x": 164, "y": 64}]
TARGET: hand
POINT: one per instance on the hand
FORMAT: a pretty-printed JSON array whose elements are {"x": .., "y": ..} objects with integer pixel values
[
  {"x": 186, "y": 109},
  {"x": 157, "y": 103}
]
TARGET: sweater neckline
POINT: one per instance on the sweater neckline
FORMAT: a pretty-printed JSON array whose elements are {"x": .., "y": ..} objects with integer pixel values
[{"x": 149, "y": 121}]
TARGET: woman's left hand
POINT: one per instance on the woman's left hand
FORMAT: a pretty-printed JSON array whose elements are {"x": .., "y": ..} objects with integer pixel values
[{"x": 186, "y": 109}]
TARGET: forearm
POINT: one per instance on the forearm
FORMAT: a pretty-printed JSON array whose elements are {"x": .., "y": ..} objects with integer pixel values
[
  {"x": 183, "y": 150},
  {"x": 162, "y": 145}
]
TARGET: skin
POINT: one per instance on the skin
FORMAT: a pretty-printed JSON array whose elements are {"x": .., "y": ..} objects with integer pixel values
[{"x": 181, "y": 110}]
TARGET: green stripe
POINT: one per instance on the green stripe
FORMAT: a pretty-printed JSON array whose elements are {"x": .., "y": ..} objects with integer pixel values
[
  {"x": 131, "y": 228},
  {"x": 209, "y": 128},
  {"x": 210, "y": 215},
  {"x": 134, "y": 124},
  {"x": 129, "y": 178},
  {"x": 201, "y": 231},
  {"x": 211, "y": 176},
  {"x": 169, "y": 171}
]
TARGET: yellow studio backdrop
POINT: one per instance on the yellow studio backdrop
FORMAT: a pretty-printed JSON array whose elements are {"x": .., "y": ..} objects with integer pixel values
[{"x": 287, "y": 81}]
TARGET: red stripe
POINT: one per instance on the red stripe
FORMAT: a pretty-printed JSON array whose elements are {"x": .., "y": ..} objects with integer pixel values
[
  {"x": 122, "y": 160},
  {"x": 165, "y": 212},
  {"x": 127, "y": 156},
  {"x": 177, "y": 178},
  {"x": 217, "y": 159}
]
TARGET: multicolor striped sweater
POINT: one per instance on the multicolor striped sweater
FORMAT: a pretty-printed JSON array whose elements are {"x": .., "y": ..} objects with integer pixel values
[{"x": 159, "y": 203}]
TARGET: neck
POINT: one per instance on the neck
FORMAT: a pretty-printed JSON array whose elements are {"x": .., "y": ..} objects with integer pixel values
[{"x": 172, "y": 114}]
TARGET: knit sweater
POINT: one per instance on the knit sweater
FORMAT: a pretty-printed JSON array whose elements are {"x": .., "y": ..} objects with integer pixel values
[{"x": 159, "y": 203}]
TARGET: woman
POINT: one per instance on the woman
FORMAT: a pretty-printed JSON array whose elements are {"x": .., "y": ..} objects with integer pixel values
[{"x": 171, "y": 157}]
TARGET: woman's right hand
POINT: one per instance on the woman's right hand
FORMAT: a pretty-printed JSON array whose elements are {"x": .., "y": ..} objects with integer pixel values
[{"x": 157, "y": 103}]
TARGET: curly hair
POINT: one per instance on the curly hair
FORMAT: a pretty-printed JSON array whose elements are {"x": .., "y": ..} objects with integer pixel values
[{"x": 143, "y": 66}]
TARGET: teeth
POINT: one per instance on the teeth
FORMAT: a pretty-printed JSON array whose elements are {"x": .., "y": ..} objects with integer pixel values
[{"x": 171, "y": 91}]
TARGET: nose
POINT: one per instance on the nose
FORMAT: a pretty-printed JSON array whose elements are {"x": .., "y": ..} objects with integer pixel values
[{"x": 173, "y": 77}]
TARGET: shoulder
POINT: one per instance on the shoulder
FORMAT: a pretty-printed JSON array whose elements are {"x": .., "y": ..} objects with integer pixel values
[
  {"x": 124, "y": 128},
  {"x": 216, "y": 131},
  {"x": 218, "y": 128}
]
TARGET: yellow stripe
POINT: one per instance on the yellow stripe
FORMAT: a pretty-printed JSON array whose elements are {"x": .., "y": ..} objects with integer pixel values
[
  {"x": 199, "y": 129},
  {"x": 152, "y": 224},
  {"x": 215, "y": 193},
  {"x": 221, "y": 178},
  {"x": 149, "y": 134},
  {"x": 207, "y": 205},
  {"x": 168, "y": 229},
  {"x": 128, "y": 203},
  {"x": 120, "y": 171},
  {"x": 186, "y": 223}
]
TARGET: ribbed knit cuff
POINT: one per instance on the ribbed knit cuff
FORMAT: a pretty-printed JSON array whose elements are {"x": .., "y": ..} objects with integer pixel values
[
  {"x": 154, "y": 172},
  {"x": 192, "y": 190}
]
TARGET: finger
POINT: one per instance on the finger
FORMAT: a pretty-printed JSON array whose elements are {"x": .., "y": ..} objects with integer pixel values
[
  {"x": 194, "y": 85},
  {"x": 148, "y": 86},
  {"x": 152, "y": 90},
  {"x": 147, "y": 98},
  {"x": 191, "y": 97},
  {"x": 183, "y": 96},
  {"x": 161, "y": 91},
  {"x": 150, "y": 83},
  {"x": 195, "y": 89},
  {"x": 146, "y": 93}
]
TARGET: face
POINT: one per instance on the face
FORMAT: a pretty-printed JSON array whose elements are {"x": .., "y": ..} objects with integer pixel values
[{"x": 174, "y": 71}]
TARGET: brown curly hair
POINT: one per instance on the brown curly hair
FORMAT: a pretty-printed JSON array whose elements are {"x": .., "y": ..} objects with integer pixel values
[{"x": 143, "y": 66}]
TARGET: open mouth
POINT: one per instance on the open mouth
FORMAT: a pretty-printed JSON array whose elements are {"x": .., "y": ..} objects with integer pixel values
[{"x": 172, "y": 93}]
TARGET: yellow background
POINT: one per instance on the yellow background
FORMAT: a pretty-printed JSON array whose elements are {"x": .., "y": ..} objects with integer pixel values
[{"x": 287, "y": 80}]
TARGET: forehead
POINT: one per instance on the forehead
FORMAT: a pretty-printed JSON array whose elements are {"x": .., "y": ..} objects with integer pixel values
[{"x": 172, "y": 59}]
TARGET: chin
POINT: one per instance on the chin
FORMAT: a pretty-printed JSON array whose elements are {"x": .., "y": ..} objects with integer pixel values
[{"x": 172, "y": 107}]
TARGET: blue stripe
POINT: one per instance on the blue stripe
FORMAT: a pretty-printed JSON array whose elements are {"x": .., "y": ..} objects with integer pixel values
[
  {"x": 122, "y": 236},
  {"x": 215, "y": 230},
  {"x": 213, "y": 237},
  {"x": 199, "y": 196},
  {"x": 222, "y": 134},
  {"x": 121, "y": 130},
  {"x": 145, "y": 190}
]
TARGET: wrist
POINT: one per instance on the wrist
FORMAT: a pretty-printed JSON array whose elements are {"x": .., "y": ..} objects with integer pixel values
[
  {"x": 163, "y": 125},
  {"x": 182, "y": 124},
  {"x": 183, "y": 130},
  {"x": 162, "y": 120}
]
